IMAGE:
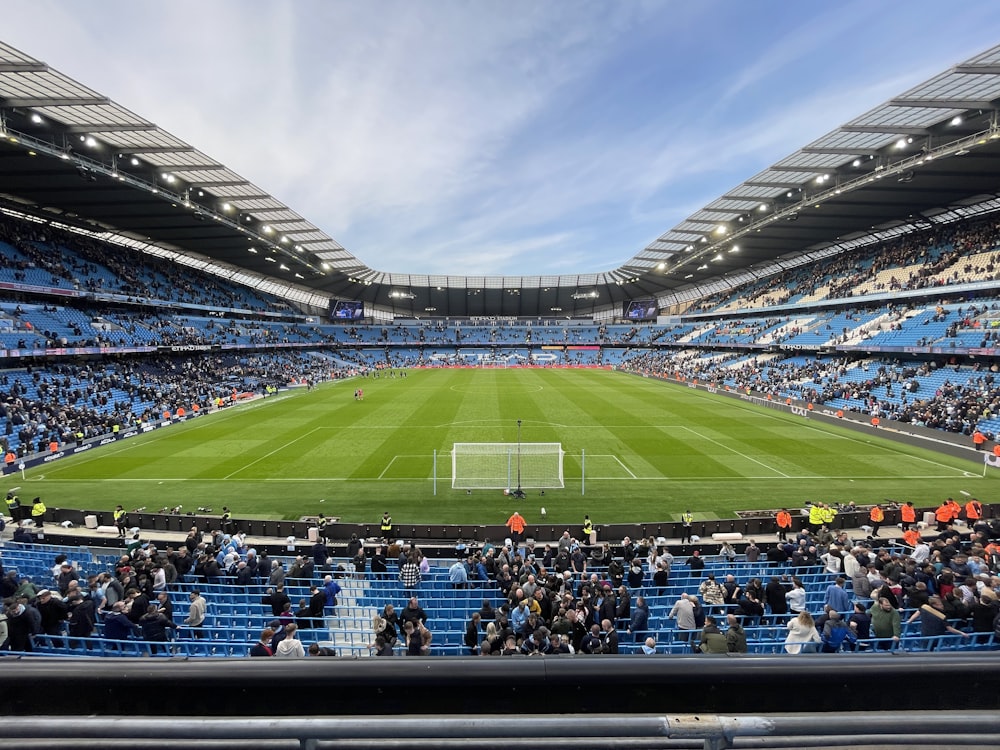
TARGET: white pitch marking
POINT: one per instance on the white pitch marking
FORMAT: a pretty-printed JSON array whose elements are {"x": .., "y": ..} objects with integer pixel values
[
  {"x": 733, "y": 450},
  {"x": 276, "y": 450},
  {"x": 387, "y": 466},
  {"x": 624, "y": 466}
]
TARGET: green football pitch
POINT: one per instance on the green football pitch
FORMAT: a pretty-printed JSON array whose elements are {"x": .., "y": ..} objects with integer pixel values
[{"x": 636, "y": 450}]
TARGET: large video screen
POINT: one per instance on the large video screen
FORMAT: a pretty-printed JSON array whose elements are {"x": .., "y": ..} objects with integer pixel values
[
  {"x": 348, "y": 310},
  {"x": 641, "y": 309}
]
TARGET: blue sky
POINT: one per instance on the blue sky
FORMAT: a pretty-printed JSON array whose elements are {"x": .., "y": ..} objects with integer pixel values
[{"x": 519, "y": 137}]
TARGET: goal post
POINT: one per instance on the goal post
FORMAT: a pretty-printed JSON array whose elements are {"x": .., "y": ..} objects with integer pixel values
[{"x": 498, "y": 466}]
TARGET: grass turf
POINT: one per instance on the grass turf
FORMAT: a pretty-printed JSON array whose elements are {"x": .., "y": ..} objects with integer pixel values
[{"x": 650, "y": 450}]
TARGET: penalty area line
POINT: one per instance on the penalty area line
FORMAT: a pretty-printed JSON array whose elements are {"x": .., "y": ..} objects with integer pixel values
[
  {"x": 625, "y": 467},
  {"x": 387, "y": 467},
  {"x": 733, "y": 450}
]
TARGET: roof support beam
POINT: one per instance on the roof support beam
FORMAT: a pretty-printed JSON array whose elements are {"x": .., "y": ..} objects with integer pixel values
[
  {"x": 154, "y": 149},
  {"x": 274, "y": 211},
  {"x": 108, "y": 128},
  {"x": 991, "y": 69},
  {"x": 841, "y": 152},
  {"x": 181, "y": 168},
  {"x": 774, "y": 184},
  {"x": 886, "y": 129},
  {"x": 334, "y": 247},
  {"x": 215, "y": 183},
  {"x": 23, "y": 67},
  {"x": 55, "y": 101},
  {"x": 942, "y": 103},
  {"x": 812, "y": 170}
]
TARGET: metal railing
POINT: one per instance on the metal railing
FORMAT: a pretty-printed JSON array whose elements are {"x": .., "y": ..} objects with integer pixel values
[{"x": 708, "y": 731}]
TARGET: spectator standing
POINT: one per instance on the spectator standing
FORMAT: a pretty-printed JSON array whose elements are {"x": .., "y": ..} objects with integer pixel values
[
  {"x": 290, "y": 647},
  {"x": 683, "y": 613},
  {"x": 196, "y": 613},
  {"x": 736, "y": 637},
  {"x": 263, "y": 646},
  {"x": 639, "y": 621},
  {"x": 802, "y": 635},
  {"x": 409, "y": 573}
]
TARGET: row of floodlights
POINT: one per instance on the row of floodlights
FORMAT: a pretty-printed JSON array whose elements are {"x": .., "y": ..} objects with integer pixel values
[{"x": 170, "y": 179}]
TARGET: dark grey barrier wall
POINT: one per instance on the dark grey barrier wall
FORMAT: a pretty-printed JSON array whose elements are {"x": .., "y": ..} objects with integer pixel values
[
  {"x": 441, "y": 540},
  {"x": 500, "y": 685}
]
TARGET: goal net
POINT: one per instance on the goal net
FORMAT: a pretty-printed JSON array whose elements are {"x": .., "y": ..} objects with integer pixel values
[{"x": 497, "y": 466}]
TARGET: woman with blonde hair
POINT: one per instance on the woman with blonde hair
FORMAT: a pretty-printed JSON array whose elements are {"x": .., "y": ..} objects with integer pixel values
[
  {"x": 802, "y": 634},
  {"x": 491, "y": 643}
]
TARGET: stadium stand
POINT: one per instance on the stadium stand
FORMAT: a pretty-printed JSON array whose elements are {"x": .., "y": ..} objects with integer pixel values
[
  {"x": 118, "y": 338},
  {"x": 636, "y": 587},
  {"x": 868, "y": 333}
]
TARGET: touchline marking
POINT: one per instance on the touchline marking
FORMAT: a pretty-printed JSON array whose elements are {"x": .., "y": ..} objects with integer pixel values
[
  {"x": 783, "y": 416},
  {"x": 733, "y": 450},
  {"x": 193, "y": 423},
  {"x": 889, "y": 448},
  {"x": 276, "y": 450}
]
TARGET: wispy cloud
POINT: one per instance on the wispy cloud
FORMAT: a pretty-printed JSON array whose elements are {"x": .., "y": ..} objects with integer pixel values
[{"x": 508, "y": 138}]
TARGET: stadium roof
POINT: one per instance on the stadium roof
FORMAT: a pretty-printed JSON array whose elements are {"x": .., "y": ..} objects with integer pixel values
[{"x": 72, "y": 154}]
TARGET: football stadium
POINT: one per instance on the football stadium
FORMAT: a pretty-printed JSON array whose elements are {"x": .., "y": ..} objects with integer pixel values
[{"x": 739, "y": 491}]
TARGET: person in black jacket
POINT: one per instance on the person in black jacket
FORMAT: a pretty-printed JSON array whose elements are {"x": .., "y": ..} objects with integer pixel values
[
  {"x": 19, "y": 627},
  {"x": 317, "y": 603},
  {"x": 82, "y": 615},
  {"x": 616, "y": 573},
  {"x": 378, "y": 561},
  {"x": 138, "y": 603},
  {"x": 608, "y": 607},
  {"x": 413, "y": 612},
  {"x": 774, "y": 595},
  {"x": 353, "y": 546},
  {"x": 277, "y": 598},
  {"x": 54, "y": 613},
  {"x": 155, "y": 627},
  {"x": 472, "y": 634}
]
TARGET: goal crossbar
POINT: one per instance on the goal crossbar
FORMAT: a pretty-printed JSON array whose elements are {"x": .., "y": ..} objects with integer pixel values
[{"x": 507, "y": 466}]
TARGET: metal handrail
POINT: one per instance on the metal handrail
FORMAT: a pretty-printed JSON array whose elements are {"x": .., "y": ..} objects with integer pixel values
[{"x": 709, "y": 731}]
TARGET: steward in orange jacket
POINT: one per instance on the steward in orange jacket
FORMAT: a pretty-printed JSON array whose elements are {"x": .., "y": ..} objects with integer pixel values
[
  {"x": 907, "y": 514},
  {"x": 876, "y": 515},
  {"x": 783, "y": 519},
  {"x": 973, "y": 511}
]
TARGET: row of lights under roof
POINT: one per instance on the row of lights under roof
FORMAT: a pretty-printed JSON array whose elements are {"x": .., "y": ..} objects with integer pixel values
[
  {"x": 170, "y": 179},
  {"x": 92, "y": 142},
  {"x": 821, "y": 179}
]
